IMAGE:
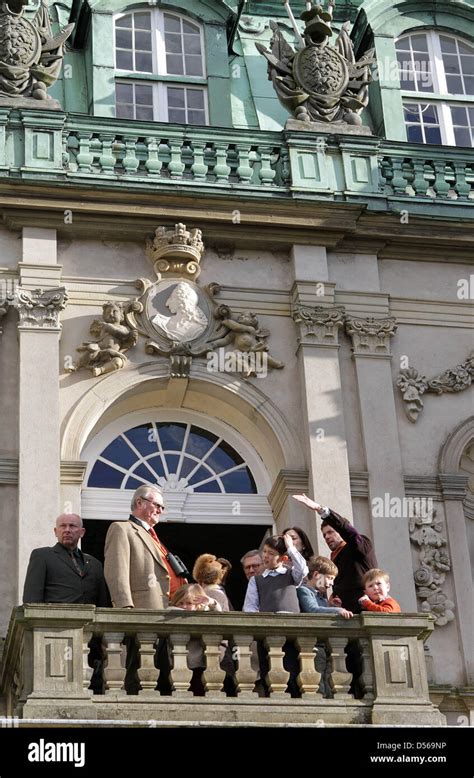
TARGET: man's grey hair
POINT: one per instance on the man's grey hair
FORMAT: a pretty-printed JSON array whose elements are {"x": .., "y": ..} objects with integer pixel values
[
  {"x": 255, "y": 552},
  {"x": 144, "y": 491}
]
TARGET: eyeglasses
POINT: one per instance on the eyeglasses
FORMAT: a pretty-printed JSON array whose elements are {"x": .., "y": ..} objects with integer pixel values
[{"x": 157, "y": 505}]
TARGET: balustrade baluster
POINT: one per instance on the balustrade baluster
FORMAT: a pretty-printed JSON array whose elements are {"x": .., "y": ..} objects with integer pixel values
[
  {"x": 367, "y": 678},
  {"x": 221, "y": 168},
  {"x": 213, "y": 677},
  {"x": 84, "y": 157},
  {"x": 130, "y": 161},
  {"x": 176, "y": 165},
  {"x": 180, "y": 674},
  {"x": 341, "y": 678},
  {"x": 440, "y": 186},
  {"x": 106, "y": 158},
  {"x": 277, "y": 675},
  {"x": 153, "y": 163},
  {"x": 309, "y": 677},
  {"x": 86, "y": 669},
  {"x": 147, "y": 672},
  {"x": 461, "y": 186},
  {"x": 199, "y": 168},
  {"x": 114, "y": 666},
  {"x": 245, "y": 676}
]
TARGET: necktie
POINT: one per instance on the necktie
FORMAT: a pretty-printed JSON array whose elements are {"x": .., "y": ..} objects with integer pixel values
[
  {"x": 77, "y": 561},
  {"x": 154, "y": 535}
]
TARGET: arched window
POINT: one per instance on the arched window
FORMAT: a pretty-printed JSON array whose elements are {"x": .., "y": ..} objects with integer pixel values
[
  {"x": 160, "y": 68},
  {"x": 178, "y": 457},
  {"x": 437, "y": 81}
]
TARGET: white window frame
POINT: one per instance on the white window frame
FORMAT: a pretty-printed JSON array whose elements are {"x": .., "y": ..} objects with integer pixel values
[
  {"x": 160, "y": 79},
  {"x": 440, "y": 95}
]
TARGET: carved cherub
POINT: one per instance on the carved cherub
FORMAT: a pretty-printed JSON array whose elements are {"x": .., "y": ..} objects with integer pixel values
[
  {"x": 112, "y": 338},
  {"x": 244, "y": 333}
]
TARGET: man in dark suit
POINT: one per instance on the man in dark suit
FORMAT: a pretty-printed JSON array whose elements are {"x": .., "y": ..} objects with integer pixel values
[{"x": 62, "y": 573}]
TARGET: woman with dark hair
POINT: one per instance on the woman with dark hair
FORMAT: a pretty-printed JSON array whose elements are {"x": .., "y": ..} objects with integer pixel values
[{"x": 301, "y": 541}]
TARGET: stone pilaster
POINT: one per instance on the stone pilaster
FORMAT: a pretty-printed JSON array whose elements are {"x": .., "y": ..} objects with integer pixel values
[
  {"x": 39, "y": 307},
  {"x": 318, "y": 324},
  {"x": 371, "y": 346},
  {"x": 453, "y": 486}
]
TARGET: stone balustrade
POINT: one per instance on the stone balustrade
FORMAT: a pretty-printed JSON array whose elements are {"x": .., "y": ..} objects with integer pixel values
[
  {"x": 76, "y": 149},
  {"x": 46, "y": 667}
]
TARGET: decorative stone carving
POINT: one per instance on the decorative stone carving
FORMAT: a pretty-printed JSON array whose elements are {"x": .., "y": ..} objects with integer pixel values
[
  {"x": 319, "y": 325},
  {"x": 112, "y": 338},
  {"x": 3, "y": 312},
  {"x": 319, "y": 83},
  {"x": 371, "y": 337},
  {"x": 413, "y": 386},
  {"x": 426, "y": 534},
  {"x": 30, "y": 56},
  {"x": 246, "y": 336},
  {"x": 176, "y": 252},
  {"x": 40, "y": 309},
  {"x": 252, "y": 24}
]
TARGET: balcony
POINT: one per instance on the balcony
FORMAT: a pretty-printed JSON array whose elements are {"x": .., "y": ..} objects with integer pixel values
[
  {"x": 46, "y": 674},
  {"x": 103, "y": 154}
]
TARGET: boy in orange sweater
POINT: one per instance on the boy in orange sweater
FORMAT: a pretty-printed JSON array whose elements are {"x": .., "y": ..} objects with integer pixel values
[{"x": 376, "y": 587}]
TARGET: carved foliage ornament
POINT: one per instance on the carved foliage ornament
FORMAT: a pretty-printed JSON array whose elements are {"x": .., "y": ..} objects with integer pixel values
[
  {"x": 40, "y": 309},
  {"x": 426, "y": 534},
  {"x": 413, "y": 385},
  {"x": 318, "y": 323},
  {"x": 371, "y": 336},
  {"x": 319, "y": 82},
  {"x": 30, "y": 55}
]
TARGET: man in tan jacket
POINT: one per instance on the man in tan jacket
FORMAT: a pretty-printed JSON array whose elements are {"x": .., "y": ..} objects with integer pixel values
[{"x": 136, "y": 567}]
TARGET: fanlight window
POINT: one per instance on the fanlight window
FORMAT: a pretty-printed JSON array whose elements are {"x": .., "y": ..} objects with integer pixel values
[{"x": 176, "y": 456}]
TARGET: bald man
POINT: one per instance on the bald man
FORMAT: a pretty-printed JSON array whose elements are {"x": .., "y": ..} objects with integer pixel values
[{"x": 62, "y": 573}]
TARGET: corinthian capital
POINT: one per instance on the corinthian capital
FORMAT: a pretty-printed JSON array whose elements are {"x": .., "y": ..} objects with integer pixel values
[
  {"x": 371, "y": 337},
  {"x": 39, "y": 309},
  {"x": 318, "y": 325}
]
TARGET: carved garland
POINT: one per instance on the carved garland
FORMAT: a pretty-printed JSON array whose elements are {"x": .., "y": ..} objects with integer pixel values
[
  {"x": 435, "y": 563},
  {"x": 413, "y": 385}
]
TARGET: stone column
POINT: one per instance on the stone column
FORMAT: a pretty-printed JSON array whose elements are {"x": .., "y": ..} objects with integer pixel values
[
  {"x": 39, "y": 330},
  {"x": 454, "y": 490},
  {"x": 371, "y": 347},
  {"x": 319, "y": 322}
]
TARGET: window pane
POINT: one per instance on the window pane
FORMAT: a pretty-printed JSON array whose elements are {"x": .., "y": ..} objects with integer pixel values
[
  {"x": 196, "y": 117},
  {"x": 192, "y": 44},
  {"x": 200, "y": 442},
  {"x": 471, "y": 116},
  {"x": 125, "y": 21},
  {"x": 190, "y": 28},
  {"x": 465, "y": 49},
  {"x": 142, "y": 21},
  {"x": 142, "y": 438},
  {"x": 467, "y": 66},
  {"x": 239, "y": 482},
  {"x": 123, "y": 39},
  {"x": 459, "y": 115},
  {"x": 193, "y": 66},
  {"x": 174, "y": 64},
  {"x": 463, "y": 136},
  {"x": 120, "y": 453},
  {"x": 430, "y": 114},
  {"x": 455, "y": 86},
  {"x": 433, "y": 135},
  {"x": 124, "y": 60},
  {"x": 124, "y": 111},
  {"x": 419, "y": 42},
  {"x": 447, "y": 44},
  {"x": 105, "y": 476},
  {"x": 176, "y": 97},
  {"x": 411, "y": 113},
  {"x": 172, "y": 23},
  {"x": 469, "y": 84},
  {"x": 171, "y": 436},
  {"x": 177, "y": 115},
  {"x": 403, "y": 45},
  {"x": 143, "y": 62},
  {"x": 143, "y": 94},
  {"x": 414, "y": 134},
  {"x": 143, "y": 40},
  {"x": 195, "y": 98},
  {"x": 173, "y": 42},
  {"x": 451, "y": 63},
  {"x": 124, "y": 93}
]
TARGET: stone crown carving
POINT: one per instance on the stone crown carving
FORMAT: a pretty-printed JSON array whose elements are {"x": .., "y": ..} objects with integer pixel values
[{"x": 176, "y": 252}]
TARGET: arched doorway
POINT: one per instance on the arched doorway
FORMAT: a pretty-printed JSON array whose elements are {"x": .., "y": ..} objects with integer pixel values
[{"x": 215, "y": 485}]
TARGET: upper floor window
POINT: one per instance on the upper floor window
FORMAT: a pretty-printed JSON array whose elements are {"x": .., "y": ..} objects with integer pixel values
[
  {"x": 160, "y": 68},
  {"x": 437, "y": 80}
]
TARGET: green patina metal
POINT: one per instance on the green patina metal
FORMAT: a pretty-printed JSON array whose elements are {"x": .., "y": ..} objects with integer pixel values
[{"x": 245, "y": 147}]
